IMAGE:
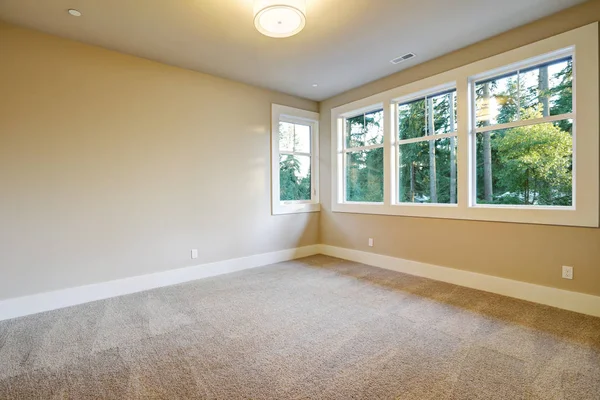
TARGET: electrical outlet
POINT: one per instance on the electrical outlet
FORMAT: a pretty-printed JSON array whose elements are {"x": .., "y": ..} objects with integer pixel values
[
  {"x": 567, "y": 272},
  {"x": 370, "y": 242},
  {"x": 194, "y": 253}
]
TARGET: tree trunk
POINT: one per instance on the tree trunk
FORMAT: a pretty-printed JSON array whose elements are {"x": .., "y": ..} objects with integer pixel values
[
  {"x": 527, "y": 187},
  {"x": 543, "y": 91},
  {"x": 452, "y": 152},
  {"x": 487, "y": 149},
  {"x": 432, "y": 169},
  {"x": 412, "y": 182}
]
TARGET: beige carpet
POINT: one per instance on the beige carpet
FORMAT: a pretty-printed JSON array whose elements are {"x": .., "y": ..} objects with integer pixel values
[{"x": 316, "y": 328}]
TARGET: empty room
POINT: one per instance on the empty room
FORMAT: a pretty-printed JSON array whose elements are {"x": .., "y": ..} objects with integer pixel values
[{"x": 300, "y": 199}]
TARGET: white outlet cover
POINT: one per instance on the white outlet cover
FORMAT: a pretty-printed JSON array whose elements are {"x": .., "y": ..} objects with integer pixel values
[
  {"x": 194, "y": 253},
  {"x": 567, "y": 272},
  {"x": 370, "y": 242}
]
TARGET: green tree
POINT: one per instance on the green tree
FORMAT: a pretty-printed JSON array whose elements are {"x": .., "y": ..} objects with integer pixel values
[
  {"x": 563, "y": 95},
  {"x": 427, "y": 170},
  {"x": 291, "y": 186},
  {"x": 364, "y": 173},
  {"x": 531, "y": 164},
  {"x": 536, "y": 165}
]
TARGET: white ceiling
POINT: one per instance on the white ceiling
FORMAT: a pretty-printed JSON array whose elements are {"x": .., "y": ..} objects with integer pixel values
[{"x": 345, "y": 44}]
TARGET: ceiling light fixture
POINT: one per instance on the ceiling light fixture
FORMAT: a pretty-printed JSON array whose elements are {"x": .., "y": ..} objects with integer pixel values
[
  {"x": 279, "y": 18},
  {"x": 74, "y": 12}
]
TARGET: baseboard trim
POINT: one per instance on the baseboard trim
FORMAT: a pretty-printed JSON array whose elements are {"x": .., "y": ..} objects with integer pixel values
[
  {"x": 564, "y": 299},
  {"x": 33, "y": 304}
]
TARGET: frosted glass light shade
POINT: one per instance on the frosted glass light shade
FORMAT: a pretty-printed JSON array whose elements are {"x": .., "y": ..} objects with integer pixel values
[{"x": 279, "y": 18}]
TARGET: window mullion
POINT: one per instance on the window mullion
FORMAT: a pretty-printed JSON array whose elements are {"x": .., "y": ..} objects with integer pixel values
[
  {"x": 388, "y": 164},
  {"x": 525, "y": 122},
  {"x": 294, "y": 153},
  {"x": 518, "y": 95},
  {"x": 465, "y": 144},
  {"x": 355, "y": 149},
  {"x": 427, "y": 138}
]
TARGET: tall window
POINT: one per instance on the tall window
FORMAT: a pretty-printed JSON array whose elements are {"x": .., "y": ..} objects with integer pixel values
[
  {"x": 427, "y": 149},
  {"x": 295, "y": 183},
  {"x": 363, "y": 154},
  {"x": 524, "y": 136},
  {"x": 294, "y": 160}
]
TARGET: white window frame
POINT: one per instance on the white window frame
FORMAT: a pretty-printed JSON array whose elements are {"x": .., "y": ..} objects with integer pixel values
[
  {"x": 554, "y": 56},
  {"x": 280, "y": 113},
  {"x": 583, "y": 43},
  {"x": 346, "y": 150},
  {"x": 426, "y": 138}
]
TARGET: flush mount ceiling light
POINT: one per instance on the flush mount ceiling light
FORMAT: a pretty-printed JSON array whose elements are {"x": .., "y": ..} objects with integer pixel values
[
  {"x": 279, "y": 18},
  {"x": 74, "y": 12}
]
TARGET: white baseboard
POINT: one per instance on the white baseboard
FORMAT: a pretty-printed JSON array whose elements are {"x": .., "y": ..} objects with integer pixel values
[
  {"x": 26, "y": 305},
  {"x": 567, "y": 300}
]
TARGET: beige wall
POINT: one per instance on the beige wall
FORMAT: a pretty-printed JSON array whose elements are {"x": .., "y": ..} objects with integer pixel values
[
  {"x": 114, "y": 166},
  {"x": 530, "y": 253}
]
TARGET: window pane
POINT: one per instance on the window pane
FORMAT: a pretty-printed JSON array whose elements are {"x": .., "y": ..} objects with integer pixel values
[
  {"x": 411, "y": 119},
  {"x": 428, "y": 172},
  {"x": 529, "y": 165},
  {"x": 436, "y": 114},
  {"x": 530, "y": 93},
  {"x": 294, "y": 137},
  {"x": 365, "y": 129},
  {"x": 530, "y": 86},
  {"x": 497, "y": 101},
  {"x": 547, "y": 89},
  {"x": 302, "y": 138},
  {"x": 294, "y": 177},
  {"x": 364, "y": 175},
  {"x": 444, "y": 112},
  {"x": 286, "y": 136},
  {"x": 561, "y": 87}
]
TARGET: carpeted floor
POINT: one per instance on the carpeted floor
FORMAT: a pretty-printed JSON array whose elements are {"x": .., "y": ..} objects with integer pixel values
[{"x": 316, "y": 328}]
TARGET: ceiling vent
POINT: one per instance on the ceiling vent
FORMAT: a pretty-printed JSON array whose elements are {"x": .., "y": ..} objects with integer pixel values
[{"x": 403, "y": 58}]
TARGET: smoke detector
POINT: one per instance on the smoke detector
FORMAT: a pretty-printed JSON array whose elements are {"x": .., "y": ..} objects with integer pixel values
[{"x": 403, "y": 58}]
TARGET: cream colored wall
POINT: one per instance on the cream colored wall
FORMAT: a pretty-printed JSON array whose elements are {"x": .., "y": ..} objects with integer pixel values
[
  {"x": 114, "y": 166},
  {"x": 530, "y": 253}
]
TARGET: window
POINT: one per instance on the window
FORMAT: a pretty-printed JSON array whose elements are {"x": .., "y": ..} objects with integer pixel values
[
  {"x": 294, "y": 160},
  {"x": 512, "y": 138},
  {"x": 524, "y": 136},
  {"x": 363, "y": 156},
  {"x": 427, "y": 149}
]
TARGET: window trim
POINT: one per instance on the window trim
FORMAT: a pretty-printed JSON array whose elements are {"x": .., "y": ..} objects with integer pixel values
[
  {"x": 347, "y": 150},
  {"x": 295, "y": 116},
  {"x": 474, "y": 130},
  {"x": 583, "y": 42},
  {"x": 435, "y": 91}
]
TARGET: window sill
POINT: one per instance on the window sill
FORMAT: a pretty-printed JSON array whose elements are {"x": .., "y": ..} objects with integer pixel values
[
  {"x": 295, "y": 208},
  {"x": 562, "y": 216}
]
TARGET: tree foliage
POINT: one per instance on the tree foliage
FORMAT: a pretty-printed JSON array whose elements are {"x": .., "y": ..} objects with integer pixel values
[
  {"x": 529, "y": 165},
  {"x": 364, "y": 172},
  {"x": 532, "y": 164},
  {"x": 536, "y": 165},
  {"x": 416, "y": 168},
  {"x": 292, "y": 186}
]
